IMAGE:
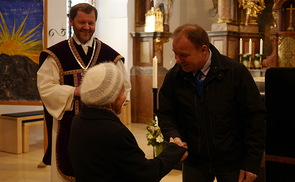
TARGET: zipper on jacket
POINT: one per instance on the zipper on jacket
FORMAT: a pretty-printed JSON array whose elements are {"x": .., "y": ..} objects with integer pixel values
[
  {"x": 206, "y": 126},
  {"x": 198, "y": 110},
  {"x": 196, "y": 116},
  {"x": 208, "y": 133}
]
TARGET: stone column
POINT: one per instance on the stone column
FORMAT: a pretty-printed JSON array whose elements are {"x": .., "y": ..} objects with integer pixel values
[{"x": 225, "y": 11}]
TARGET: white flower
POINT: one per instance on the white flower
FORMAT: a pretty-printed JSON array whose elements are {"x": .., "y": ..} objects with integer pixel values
[{"x": 160, "y": 139}]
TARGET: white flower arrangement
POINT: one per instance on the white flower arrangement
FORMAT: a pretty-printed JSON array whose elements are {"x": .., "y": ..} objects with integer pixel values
[{"x": 154, "y": 135}]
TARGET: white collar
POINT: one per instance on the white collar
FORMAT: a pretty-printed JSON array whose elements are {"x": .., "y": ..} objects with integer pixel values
[
  {"x": 89, "y": 43},
  {"x": 207, "y": 65}
]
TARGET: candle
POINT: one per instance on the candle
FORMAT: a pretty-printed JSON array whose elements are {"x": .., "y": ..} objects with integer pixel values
[
  {"x": 155, "y": 72},
  {"x": 241, "y": 46},
  {"x": 261, "y": 47},
  {"x": 250, "y": 46}
]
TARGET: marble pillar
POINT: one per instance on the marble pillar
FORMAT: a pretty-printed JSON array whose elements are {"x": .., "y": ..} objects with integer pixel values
[
  {"x": 225, "y": 10},
  {"x": 146, "y": 45}
]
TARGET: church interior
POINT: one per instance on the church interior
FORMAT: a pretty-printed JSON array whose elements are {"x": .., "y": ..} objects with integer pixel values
[{"x": 257, "y": 33}]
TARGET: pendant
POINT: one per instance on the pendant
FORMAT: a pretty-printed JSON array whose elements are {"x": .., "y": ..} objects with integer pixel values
[{"x": 82, "y": 74}]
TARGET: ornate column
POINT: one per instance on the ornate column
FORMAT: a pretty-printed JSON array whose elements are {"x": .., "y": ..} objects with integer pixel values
[{"x": 225, "y": 9}]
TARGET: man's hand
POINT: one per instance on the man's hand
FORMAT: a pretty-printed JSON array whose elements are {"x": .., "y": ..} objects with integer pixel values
[
  {"x": 178, "y": 141},
  {"x": 246, "y": 176}
]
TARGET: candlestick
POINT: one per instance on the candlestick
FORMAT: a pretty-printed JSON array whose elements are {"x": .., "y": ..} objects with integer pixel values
[
  {"x": 155, "y": 72},
  {"x": 250, "y": 46},
  {"x": 241, "y": 46},
  {"x": 261, "y": 47},
  {"x": 155, "y": 101}
]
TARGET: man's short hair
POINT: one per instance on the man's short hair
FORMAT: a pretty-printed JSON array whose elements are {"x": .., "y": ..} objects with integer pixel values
[{"x": 84, "y": 7}]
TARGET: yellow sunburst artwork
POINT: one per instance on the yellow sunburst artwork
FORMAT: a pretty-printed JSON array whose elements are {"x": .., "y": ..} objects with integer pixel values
[{"x": 17, "y": 42}]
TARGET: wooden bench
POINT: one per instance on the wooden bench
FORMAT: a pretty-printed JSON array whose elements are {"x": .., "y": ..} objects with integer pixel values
[{"x": 14, "y": 130}]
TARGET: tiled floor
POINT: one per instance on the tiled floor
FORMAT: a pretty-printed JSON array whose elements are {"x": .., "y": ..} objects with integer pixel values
[{"x": 23, "y": 167}]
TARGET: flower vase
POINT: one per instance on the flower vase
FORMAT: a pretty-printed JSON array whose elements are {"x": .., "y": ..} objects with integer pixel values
[{"x": 157, "y": 150}]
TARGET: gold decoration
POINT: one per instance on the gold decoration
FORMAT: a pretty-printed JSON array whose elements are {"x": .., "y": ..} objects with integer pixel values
[
  {"x": 290, "y": 28},
  {"x": 224, "y": 20},
  {"x": 154, "y": 20},
  {"x": 286, "y": 55},
  {"x": 158, "y": 44},
  {"x": 253, "y": 8},
  {"x": 275, "y": 17},
  {"x": 165, "y": 7}
]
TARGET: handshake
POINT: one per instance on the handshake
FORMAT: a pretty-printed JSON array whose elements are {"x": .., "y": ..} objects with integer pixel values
[{"x": 178, "y": 141}]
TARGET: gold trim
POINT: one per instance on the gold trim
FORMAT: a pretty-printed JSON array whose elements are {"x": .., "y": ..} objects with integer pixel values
[
  {"x": 220, "y": 20},
  {"x": 75, "y": 52},
  {"x": 61, "y": 71},
  {"x": 73, "y": 72},
  {"x": 98, "y": 48},
  {"x": 77, "y": 55},
  {"x": 119, "y": 57}
]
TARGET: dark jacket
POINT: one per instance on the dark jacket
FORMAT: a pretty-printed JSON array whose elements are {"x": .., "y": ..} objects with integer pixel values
[
  {"x": 225, "y": 127},
  {"x": 103, "y": 149}
]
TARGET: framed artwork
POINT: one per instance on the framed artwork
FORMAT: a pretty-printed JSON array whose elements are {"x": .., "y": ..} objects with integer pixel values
[{"x": 21, "y": 41}]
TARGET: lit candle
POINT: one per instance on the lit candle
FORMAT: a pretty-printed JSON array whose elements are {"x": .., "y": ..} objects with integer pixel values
[
  {"x": 261, "y": 47},
  {"x": 155, "y": 72},
  {"x": 241, "y": 46},
  {"x": 250, "y": 46}
]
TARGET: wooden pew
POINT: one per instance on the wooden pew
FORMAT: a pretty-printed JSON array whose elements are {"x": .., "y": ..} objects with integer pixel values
[{"x": 14, "y": 130}]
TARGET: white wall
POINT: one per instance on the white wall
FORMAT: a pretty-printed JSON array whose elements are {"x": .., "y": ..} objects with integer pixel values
[
  {"x": 57, "y": 20},
  {"x": 113, "y": 26},
  {"x": 197, "y": 11}
]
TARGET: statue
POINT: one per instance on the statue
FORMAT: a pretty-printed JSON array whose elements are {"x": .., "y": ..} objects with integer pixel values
[
  {"x": 165, "y": 6},
  {"x": 253, "y": 8},
  {"x": 154, "y": 20},
  {"x": 213, "y": 11}
]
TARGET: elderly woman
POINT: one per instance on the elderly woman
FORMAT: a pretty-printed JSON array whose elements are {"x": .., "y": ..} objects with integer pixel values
[{"x": 101, "y": 148}]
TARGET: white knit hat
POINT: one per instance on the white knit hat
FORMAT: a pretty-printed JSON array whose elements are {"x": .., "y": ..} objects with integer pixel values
[{"x": 101, "y": 84}]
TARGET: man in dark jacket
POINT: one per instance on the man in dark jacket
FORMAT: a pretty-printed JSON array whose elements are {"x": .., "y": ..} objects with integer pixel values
[{"x": 221, "y": 118}]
